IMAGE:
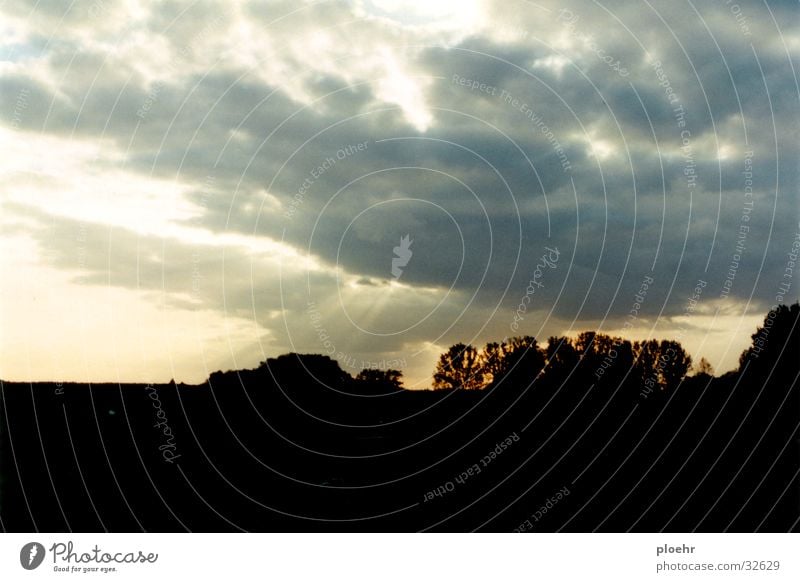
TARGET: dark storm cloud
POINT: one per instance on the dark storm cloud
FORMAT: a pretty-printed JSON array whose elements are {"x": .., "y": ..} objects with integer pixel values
[{"x": 269, "y": 135}]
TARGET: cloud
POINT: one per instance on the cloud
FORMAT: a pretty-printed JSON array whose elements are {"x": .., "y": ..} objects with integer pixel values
[{"x": 283, "y": 150}]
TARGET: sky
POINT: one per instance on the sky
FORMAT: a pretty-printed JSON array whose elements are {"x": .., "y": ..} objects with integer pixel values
[{"x": 197, "y": 186}]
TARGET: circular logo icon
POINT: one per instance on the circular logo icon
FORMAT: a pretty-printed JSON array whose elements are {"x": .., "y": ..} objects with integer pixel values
[{"x": 31, "y": 555}]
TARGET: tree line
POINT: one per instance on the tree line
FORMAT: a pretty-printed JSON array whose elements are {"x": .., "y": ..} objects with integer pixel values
[
  {"x": 654, "y": 365},
  {"x": 657, "y": 364}
]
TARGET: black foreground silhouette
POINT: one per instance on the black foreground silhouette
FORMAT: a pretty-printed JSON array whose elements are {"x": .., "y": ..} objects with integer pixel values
[{"x": 589, "y": 434}]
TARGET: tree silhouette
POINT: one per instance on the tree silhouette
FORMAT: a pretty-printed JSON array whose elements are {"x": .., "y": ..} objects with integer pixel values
[
  {"x": 704, "y": 368},
  {"x": 519, "y": 356},
  {"x": 777, "y": 335},
  {"x": 585, "y": 343},
  {"x": 493, "y": 361},
  {"x": 662, "y": 364},
  {"x": 374, "y": 381},
  {"x": 390, "y": 377},
  {"x": 562, "y": 357},
  {"x": 646, "y": 361},
  {"x": 523, "y": 358},
  {"x": 309, "y": 370},
  {"x": 459, "y": 367},
  {"x": 673, "y": 363}
]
